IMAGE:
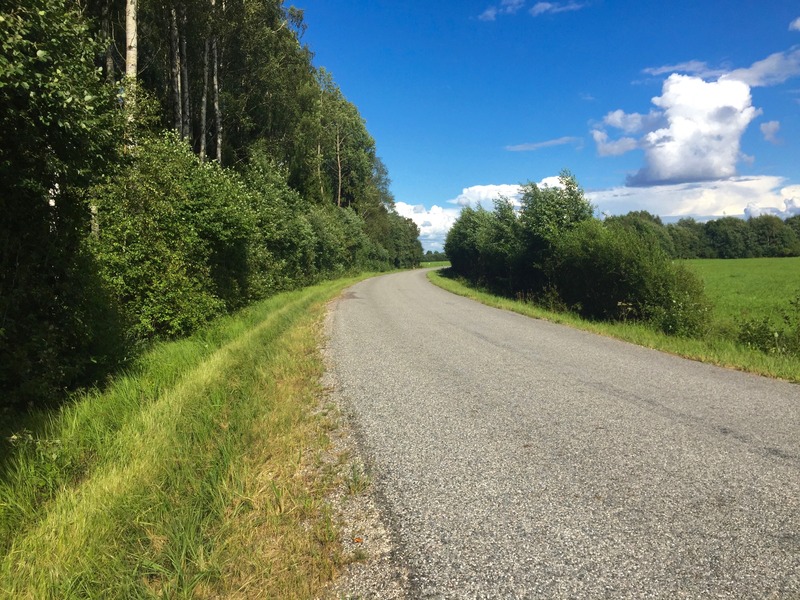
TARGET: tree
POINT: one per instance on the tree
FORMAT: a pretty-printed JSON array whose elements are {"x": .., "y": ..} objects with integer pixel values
[
  {"x": 729, "y": 237},
  {"x": 772, "y": 237},
  {"x": 57, "y": 129}
]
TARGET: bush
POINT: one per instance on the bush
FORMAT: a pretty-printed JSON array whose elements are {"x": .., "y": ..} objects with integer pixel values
[
  {"x": 611, "y": 272},
  {"x": 172, "y": 239},
  {"x": 771, "y": 338}
]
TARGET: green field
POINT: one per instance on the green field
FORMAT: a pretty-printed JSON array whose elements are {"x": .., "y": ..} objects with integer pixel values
[{"x": 748, "y": 288}]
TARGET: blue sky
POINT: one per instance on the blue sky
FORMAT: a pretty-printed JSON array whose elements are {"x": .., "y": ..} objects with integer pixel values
[{"x": 679, "y": 108}]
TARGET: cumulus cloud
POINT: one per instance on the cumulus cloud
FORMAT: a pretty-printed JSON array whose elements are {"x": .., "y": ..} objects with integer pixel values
[
  {"x": 770, "y": 131},
  {"x": 542, "y": 8},
  {"x": 693, "y": 136},
  {"x": 547, "y": 144},
  {"x": 705, "y": 123},
  {"x": 789, "y": 201},
  {"x": 614, "y": 147},
  {"x": 433, "y": 223},
  {"x": 633, "y": 122},
  {"x": 485, "y": 195},
  {"x": 795, "y": 25},
  {"x": 732, "y": 197},
  {"x": 737, "y": 196}
]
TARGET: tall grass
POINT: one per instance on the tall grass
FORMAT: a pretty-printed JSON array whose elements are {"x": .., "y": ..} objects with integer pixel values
[
  {"x": 715, "y": 349},
  {"x": 193, "y": 476}
]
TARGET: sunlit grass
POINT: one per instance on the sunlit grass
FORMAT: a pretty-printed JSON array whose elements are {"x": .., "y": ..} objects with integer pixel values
[
  {"x": 748, "y": 288},
  {"x": 715, "y": 350},
  {"x": 435, "y": 263},
  {"x": 195, "y": 475}
]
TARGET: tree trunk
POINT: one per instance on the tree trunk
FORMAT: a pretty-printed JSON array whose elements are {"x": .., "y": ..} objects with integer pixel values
[
  {"x": 319, "y": 172},
  {"x": 108, "y": 32},
  {"x": 217, "y": 104},
  {"x": 186, "y": 126},
  {"x": 131, "y": 41},
  {"x": 339, "y": 167},
  {"x": 175, "y": 72},
  {"x": 204, "y": 104}
]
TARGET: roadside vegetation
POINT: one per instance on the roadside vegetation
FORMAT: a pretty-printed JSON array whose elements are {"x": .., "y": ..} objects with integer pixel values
[
  {"x": 197, "y": 473},
  {"x": 553, "y": 259},
  {"x": 149, "y": 191}
]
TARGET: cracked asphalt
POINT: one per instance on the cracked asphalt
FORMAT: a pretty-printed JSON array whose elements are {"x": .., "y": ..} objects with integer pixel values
[{"x": 514, "y": 458}]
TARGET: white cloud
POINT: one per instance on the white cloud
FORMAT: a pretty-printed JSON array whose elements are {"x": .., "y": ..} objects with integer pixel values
[
  {"x": 774, "y": 69},
  {"x": 506, "y": 7},
  {"x": 433, "y": 223},
  {"x": 770, "y": 131},
  {"x": 485, "y": 195},
  {"x": 705, "y": 123},
  {"x": 692, "y": 67},
  {"x": 615, "y": 147},
  {"x": 694, "y": 136},
  {"x": 549, "y": 143},
  {"x": 633, "y": 122},
  {"x": 705, "y": 199},
  {"x": 490, "y": 14},
  {"x": 738, "y": 196},
  {"x": 795, "y": 25},
  {"x": 541, "y": 8}
]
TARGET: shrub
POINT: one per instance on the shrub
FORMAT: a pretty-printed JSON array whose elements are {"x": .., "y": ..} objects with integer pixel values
[
  {"x": 611, "y": 272},
  {"x": 172, "y": 239}
]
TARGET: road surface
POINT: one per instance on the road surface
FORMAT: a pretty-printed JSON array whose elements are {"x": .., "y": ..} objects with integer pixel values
[{"x": 515, "y": 458}]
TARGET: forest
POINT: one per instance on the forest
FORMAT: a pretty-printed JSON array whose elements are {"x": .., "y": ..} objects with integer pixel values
[{"x": 164, "y": 163}]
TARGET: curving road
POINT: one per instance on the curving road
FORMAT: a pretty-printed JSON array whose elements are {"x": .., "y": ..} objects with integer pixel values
[{"x": 515, "y": 458}]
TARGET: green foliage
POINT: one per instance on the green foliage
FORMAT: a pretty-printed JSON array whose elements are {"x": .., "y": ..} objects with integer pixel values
[
  {"x": 612, "y": 272},
  {"x": 114, "y": 233},
  {"x": 550, "y": 211},
  {"x": 764, "y": 334},
  {"x": 172, "y": 241},
  {"x": 56, "y": 129},
  {"x": 554, "y": 251}
]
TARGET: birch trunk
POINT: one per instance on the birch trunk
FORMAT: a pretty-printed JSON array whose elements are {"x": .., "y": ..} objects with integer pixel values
[
  {"x": 108, "y": 32},
  {"x": 204, "y": 104},
  {"x": 217, "y": 104},
  {"x": 339, "y": 167},
  {"x": 186, "y": 125},
  {"x": 175, "y": 72},
  {"x": 131, "y": 40}
]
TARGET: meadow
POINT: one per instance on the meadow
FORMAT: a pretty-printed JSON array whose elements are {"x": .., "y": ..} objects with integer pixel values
[{"x": 748, "y": 288}]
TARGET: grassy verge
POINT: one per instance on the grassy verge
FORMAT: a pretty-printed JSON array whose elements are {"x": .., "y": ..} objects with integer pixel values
[
  {"x": 716, "y": 350},
  {"x": 197, "y": 475}
]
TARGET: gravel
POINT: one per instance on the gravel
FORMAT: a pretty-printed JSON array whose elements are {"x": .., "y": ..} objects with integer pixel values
[{"x": 514, "y": 458}]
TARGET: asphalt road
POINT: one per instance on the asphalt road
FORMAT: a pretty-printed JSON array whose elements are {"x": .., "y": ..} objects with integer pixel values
[{"x": 520, "y": 459}]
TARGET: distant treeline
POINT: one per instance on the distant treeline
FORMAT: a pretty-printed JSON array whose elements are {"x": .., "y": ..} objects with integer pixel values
[
  {"x": 728, "y": 237},
  {"x": 223, "y": 168},
  {"x": 434, "y": 256}
]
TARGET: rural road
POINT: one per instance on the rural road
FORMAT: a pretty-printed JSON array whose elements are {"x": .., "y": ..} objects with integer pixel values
[{"x": 514, "y": 458}]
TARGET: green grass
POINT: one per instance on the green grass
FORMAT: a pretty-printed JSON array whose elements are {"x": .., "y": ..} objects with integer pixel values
[
  {"x": 715, "y": 350},
  {"x": 196, "y": 475},
  {"x": 748, "y": 288},
  {"x": 435, "y": 263}
]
